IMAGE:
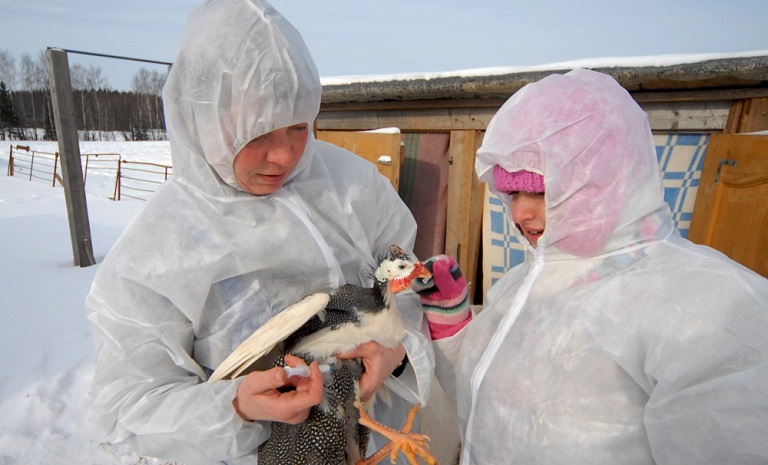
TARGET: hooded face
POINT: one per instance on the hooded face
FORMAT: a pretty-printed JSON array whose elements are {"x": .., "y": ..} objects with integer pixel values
[
  {"x": 243, "y": 77},
  {"x": 592, "y": 144},
  {"x": 528, "y": 214},
  {"x": 527, "y": 205},
  {"x": 264, "y": 164}
]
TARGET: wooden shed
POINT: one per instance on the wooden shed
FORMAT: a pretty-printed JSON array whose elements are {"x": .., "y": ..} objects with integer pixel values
[{"x": 716, "y": 181}]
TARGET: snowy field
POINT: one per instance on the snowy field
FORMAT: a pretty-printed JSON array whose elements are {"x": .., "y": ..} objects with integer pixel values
[{"x": 46, "y": 345}]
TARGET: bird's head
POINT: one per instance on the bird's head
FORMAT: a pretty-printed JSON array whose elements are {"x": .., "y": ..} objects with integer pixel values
[{"x": 398, "y": 269}]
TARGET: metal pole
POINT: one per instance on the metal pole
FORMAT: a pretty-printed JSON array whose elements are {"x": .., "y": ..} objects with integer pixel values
[{"x": 69, "y": 148}]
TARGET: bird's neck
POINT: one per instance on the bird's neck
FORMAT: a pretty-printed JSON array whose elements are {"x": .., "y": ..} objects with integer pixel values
[{"x": 382, "y": 289}]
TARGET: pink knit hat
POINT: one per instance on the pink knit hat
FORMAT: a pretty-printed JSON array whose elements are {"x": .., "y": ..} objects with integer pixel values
[{"x": 525, "y": 181}]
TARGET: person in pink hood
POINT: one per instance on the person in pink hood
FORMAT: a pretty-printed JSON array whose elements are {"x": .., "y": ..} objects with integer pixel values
[{"x": 616, "y": 341}]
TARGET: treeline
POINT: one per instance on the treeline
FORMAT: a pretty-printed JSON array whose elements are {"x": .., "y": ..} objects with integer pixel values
[
  {"x": 26, "y": 111},
  {"x": 97, "y": 112}
]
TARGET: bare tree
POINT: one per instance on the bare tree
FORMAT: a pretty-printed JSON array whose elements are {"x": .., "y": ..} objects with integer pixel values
[
  {"x": 87, "y": 82},
  {"x": 149, "y": 85},
  {"x": 41, "y": 71},
  {"x": 95, "y": 82},
  {"x": 49, "y": 123},
  {"x": 77, "y": 78},
  {"x": 8, "y": 70},
  {"x": 31, "y": 82}
]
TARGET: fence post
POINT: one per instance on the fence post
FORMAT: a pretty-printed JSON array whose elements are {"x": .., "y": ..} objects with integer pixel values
[
  {"x": 116, "y": 195},
  {"x": 55, "y": 166},
  {"x": 10, "y": 162},
  {"x": 69, "y": 148},
  {"x": 85, "y": 171}
]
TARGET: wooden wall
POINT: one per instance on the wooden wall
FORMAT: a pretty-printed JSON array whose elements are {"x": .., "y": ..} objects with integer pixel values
[{"x": 465, "y": 120}]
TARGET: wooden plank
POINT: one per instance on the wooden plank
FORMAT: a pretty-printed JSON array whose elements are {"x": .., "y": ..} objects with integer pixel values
[
  {"x": 413, "y": 104},
  {"x": 734, "y": 116},
  {"x": 750, "y": 115},
  {"x": 477, "y": 203},
  {"x": 700, "y": 95},
  {"x": 465, "y": 204},
  {"x": 430, "y": 120},
  {"x": 755, "y": 115},
  {"x": 688, "y": 116},
  {"x": 69, "y": 149},
  {"x": 707, "y": 116},
  {"x": 371, "y": 146},
  {"x": 641, "y": 96}
]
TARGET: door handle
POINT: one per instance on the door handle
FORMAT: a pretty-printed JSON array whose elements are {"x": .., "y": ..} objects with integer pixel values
[{"x": 722, "y": 162}]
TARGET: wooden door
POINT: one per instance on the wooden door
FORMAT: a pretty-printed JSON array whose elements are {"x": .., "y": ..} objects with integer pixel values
[
  {"x": 382, "y": 148},
  {"x": 731, "y": 209}
]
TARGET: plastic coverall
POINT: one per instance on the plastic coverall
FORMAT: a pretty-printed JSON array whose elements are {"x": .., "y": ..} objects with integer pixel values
[
  {"x": 204, "y": 263},
  {"x": 616, "y": 341}
]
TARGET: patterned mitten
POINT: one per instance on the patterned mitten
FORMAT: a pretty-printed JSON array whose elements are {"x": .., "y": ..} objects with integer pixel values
[{"x": 444, "y": 297}]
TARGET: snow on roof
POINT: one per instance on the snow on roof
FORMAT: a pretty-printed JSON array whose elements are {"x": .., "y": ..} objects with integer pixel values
[
  {"x": 634, "y": 73},
  {"x": 605, "y": 62}
]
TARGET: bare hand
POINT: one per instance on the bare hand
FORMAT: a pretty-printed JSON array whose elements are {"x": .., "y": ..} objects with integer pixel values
[
  {"x": 258, "y": 397},
  {"x": 379, "y": 361}
]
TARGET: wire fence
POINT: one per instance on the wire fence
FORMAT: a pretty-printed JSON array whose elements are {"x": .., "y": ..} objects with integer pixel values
[{"x": 132, "y": 179}]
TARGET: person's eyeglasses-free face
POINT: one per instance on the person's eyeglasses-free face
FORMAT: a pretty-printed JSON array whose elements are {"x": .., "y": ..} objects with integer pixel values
[
  {"x": 527, "y": 211},
  {"x": 264, "y": 164}
]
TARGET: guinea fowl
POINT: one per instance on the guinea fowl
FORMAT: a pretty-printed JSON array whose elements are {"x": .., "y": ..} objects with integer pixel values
[{"x": 317, "y": 329}]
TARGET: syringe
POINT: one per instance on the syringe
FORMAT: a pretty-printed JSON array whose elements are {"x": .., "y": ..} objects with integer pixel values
[{"x": 303, "y": 370}]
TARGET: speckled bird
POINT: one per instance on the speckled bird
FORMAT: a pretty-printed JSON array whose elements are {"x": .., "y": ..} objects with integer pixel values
[{"x": 316, "y": 329}]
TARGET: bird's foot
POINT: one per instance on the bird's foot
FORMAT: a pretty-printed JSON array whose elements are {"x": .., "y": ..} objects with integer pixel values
[{"x": 413, "y": 445}]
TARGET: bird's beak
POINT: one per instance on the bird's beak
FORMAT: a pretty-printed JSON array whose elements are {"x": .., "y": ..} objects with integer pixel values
[
  {"x": 421, "y": 271},
  {"x": 401, "y": 284}
]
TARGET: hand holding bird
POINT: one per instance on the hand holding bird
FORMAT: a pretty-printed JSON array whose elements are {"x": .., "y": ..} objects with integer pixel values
[
  {"x": 378, "y": 363},
  {"x": 260, "y": 396}
]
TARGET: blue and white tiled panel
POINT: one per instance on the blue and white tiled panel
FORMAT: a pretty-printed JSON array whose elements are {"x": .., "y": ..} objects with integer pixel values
[{"x": 680, "y": 156}]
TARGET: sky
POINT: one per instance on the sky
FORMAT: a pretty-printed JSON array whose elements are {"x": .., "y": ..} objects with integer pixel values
[
  {"x": 353, "y": 37},
  {"x": 45, "y": 338}
]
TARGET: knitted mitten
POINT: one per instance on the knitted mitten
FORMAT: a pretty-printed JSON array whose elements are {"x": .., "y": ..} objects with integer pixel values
[{"x": 444, "y": 297}]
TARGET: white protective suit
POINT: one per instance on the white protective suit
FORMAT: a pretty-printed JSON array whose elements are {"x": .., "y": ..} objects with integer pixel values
[
  {"x": 204, "y": 263},
  {"x": 616, "y": 341}
]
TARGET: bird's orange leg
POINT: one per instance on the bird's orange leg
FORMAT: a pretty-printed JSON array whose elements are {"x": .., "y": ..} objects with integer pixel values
[{"x": 411, "y": 444}]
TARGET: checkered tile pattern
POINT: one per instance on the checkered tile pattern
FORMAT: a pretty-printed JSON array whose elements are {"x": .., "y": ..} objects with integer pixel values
[{"x": 680, "y": 156}]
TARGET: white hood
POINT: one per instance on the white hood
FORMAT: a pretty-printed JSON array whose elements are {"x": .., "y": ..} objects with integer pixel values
[{"x": 223, "y": 90}]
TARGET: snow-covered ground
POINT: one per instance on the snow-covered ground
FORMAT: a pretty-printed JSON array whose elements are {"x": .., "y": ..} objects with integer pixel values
[{"x": 46, "y": 345}]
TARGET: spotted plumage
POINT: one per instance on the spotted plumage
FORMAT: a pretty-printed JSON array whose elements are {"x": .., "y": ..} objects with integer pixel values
[
  {"x": 317, "y": 329},
  {"x": 331, "y": 434}
]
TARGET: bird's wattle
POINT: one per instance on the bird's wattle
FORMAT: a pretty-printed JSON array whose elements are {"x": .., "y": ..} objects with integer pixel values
[{"x": 399, "y": 284}]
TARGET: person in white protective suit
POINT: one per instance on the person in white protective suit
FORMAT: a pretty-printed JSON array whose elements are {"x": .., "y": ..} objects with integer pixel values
[
  {"x": 258, "y": 215},
  {"x": 616, "y": 341}
]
